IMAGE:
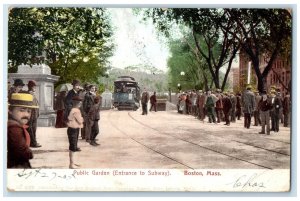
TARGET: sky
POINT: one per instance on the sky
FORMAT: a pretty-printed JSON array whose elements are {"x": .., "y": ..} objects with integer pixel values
[{"x": 136, "y": 41}]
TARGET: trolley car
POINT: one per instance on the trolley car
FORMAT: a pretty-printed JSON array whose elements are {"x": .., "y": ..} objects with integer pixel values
[{"x": 126, "y": 93}]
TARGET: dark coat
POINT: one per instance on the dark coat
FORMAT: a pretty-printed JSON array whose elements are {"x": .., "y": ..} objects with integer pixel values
[
  {"x": 219, "y": 103},
  {"x": 286, "y": 104},
  {"x": 277, "y": 104},
  {"x": 145, "y": 97},
  {"x": 59, "y": 101},
  {"x": 265, "y": 105},
  {"x": 18, "y": 141},
  {"x": 238, "y": 102},
  {"x": 35, "y": 112},
  {"x": 88, "y": 102},
  {"x": 94, "y": 112},
  {"x": 227, "y": 105},
  {"x": 201, "y": 101},
  {"x": 68, "y": 102},
  {"x": 248, "y": 100},
  {"x": 233, "y": 101},
  {"x": 153, "y": 99}
]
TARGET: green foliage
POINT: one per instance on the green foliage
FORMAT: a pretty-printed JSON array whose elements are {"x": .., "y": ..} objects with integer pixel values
[
  {"x": 210, "y": 39},
  {"x": 263, "y": 33},
  {"x": 76, "y": 41},
  {"x": 183, "y": 60},
  {"x": 258, "y": 32}
]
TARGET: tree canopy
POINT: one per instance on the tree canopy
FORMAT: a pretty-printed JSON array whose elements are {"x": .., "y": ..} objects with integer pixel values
[
  {"x": 259, "y": 33},
  {"x": 74, "y": 42},
  {"x": 263, "y": 34},
  {"x": 211, "y": 43}
]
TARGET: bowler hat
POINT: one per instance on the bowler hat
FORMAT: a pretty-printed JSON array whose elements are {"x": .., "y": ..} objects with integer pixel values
[
  {"x": 18, "y": 82},
  {"x": 31, "y": 83},
  {"x": 22, "y": 100}
]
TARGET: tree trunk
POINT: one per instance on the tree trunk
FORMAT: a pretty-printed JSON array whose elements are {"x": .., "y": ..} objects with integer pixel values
[{"x": 261, "y": 83}]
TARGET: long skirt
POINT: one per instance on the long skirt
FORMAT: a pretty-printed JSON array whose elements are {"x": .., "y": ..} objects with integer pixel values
[{"x": 60, "y": 119}]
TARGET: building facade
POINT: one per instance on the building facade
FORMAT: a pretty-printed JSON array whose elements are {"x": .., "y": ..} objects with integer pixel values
[{"x": 279, "y": 76}]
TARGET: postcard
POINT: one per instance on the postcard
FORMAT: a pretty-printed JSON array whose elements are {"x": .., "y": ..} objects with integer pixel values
[{"x": 158, "y": 99}]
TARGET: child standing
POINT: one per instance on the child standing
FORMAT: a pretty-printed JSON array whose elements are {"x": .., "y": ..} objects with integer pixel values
[{"x": 75, "y": 121}]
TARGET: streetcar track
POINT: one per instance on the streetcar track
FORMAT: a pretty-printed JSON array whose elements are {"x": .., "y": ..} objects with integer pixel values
[
  {"x": 267, "y": 139},
  {"x": 237, "y": 158},
  {"x": 249, "y": 144},
  {"x": 158, "y": 152}
]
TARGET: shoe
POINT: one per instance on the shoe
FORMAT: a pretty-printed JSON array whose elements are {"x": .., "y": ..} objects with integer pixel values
[
  {"x": 96, "y": 143},
  {"x": 262, "y": 133},
  {"x": 88, "y": 141},
  {"x": 72, "y": 166},
  {"x": 93, "y": 144},
  {"x": 36, "y": 145},
  {"x": 78, "y": 149}
]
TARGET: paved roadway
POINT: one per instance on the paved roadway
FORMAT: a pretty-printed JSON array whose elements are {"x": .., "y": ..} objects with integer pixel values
[{"x": 166, "y": 140}]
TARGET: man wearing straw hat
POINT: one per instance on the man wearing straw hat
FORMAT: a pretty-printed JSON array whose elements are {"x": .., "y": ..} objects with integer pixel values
[{"x": 18, "y": 139}]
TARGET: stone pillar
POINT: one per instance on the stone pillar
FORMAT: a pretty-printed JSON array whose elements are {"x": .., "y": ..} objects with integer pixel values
[
  {"x": 44, "y": 89},
  {"x": 106, "y": 99}
]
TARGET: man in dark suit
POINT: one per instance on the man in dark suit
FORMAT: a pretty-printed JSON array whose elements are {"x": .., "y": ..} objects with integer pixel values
[
  {"x": 227, "y": 105},
  {"x": 248, "y": 100},
  {"x": 153, "y": 101},
  {"x": 144, "y": 101}
]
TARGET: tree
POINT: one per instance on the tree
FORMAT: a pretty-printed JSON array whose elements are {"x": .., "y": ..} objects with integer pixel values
[
  {"x": 210, "y": 29},
  {"x": 182, "y": 59},
  {"x": 76, "y": 41},
  {"x": 262, "y": 33}
]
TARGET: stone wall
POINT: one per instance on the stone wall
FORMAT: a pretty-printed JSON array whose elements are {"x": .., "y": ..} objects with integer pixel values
[{"x": 44, "y": 89}]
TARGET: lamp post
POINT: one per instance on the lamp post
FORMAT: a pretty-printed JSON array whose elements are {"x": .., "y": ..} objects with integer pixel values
[
  {"x": 179, "y": 87},
  {"x": 182, "y": 74},
  {"x": 107, "y": 87},
  {"x": 249, "y": 73}
]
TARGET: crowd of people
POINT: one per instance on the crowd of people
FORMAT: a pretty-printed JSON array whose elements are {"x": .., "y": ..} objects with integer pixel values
[
  {"x": 267, "y": 109},
  {"x": 77, "y": 109}
]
